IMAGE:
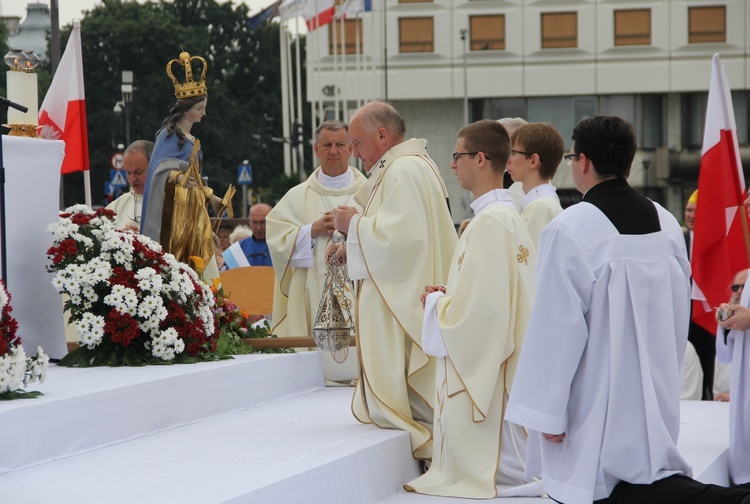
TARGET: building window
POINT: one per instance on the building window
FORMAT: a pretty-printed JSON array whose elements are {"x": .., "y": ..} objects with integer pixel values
[
  {"x": 487, "y": 33},
  {"x": 352, "y": 32},
  {"x": 633, "y": 27},
  {"x": 416, "y": 34},
  {"x": 559, "y": 29},
  {"x": 707, "y": 24}
]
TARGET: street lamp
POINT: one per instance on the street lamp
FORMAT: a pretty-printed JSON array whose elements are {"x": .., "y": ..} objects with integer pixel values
[
  {"x": 464, "y": 38},
  {"x": 124, "y": 104}
]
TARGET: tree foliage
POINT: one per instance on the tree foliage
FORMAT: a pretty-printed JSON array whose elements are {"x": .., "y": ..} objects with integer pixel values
[{"x": 243, "y": 83}]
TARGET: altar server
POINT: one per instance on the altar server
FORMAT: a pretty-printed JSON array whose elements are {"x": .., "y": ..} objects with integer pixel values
[
  {"x": 401, "y": 241},
  {"x": 474, "y": 326},
  {"x": 598, "y": 381},
  {"x": 536, "y": 152}
]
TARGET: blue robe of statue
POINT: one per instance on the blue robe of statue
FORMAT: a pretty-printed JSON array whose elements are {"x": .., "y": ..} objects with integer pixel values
[{"x": 164, "y": 148}]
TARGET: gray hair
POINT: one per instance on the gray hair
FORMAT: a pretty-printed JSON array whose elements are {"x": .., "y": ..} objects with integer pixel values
[
  {"x": 381, "y": 114},
  {"x": 330, "y": 126},
  {"x": 512, "y": 123},
  {"x": 141, "y": 146}
]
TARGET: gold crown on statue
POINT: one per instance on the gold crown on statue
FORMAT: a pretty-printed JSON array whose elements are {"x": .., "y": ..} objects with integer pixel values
[{"x": 190, "y": 87}]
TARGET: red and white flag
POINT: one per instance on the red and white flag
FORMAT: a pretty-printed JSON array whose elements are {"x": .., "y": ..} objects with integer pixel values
[
  {"x": 317, "y": 13},
  {"x": 720, "y": 242},
  {"x": 64, "y": 106}
]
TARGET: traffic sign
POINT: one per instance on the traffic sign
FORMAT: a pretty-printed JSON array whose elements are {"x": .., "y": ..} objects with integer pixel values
[
  {"x": 117, "y": 178},
  {"x": 245, "y": 174},
  {"x": 116, "y": 160}
]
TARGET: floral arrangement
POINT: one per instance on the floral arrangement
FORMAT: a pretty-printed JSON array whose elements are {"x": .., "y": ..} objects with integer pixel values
[
  {"x": 234, "y": 328},
  {"x": 16, "y": 369},
  {"x": 132, "y": 303}
]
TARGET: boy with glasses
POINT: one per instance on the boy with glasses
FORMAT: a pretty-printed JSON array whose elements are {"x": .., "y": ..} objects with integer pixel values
[{"x": 536, "y": 152}]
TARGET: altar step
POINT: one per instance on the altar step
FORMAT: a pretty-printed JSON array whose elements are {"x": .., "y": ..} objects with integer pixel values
[{"x": 259, "y": 429}]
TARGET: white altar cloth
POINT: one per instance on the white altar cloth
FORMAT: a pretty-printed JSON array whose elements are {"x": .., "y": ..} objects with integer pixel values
[
  {"x": 86, "y": 409},
  {"x": 32, "y": 202}
]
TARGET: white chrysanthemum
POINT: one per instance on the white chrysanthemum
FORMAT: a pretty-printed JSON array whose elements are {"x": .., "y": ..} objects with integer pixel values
[
  {"x": 57, "y": 283},
  {"x": 148, "y": 305},
  {"x": 79, "y": 208}
]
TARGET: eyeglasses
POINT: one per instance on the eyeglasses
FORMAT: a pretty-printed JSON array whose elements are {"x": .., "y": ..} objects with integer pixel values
[
  {"x": 570, "y": 157},
  {"x": 737, "y": 287},
  {"x": 513, "y": 151},
  {"x": 457, "y": 155}
]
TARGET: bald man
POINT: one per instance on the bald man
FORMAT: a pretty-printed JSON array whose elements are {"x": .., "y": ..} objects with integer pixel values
[
  {"x": 402, "y": 240},
  {"x": 255, "y": 247}
]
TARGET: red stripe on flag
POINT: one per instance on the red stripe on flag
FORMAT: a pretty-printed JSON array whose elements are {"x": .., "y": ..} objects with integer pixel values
[{"x": 718, "y": 253}]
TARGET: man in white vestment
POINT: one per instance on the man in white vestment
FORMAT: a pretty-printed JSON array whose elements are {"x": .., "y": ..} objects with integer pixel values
[
  {"x": 402, "y": 240},
  {"x": 135, "y": 161},
  {"x": 536, "y": 152},
  {"x": 732, "y": 345},
  {"x": 599, "y": 378},
  {"x": 299, "y": 228},
  {"x": 474, "y": 327}
]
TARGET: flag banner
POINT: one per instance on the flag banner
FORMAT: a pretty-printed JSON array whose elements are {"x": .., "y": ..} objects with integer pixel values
[
  {"x": 264, "y": 17},
  {"x": 64, "y": 107},
  {"x": 352, "y": 7},
  {"x": 234, "y": 257},
  {"x": 720, "y": 242},
  {"x": 317, "y": 13}
]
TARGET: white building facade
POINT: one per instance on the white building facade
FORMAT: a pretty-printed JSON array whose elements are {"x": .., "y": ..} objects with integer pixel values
[{"x": 555, "y": 61}]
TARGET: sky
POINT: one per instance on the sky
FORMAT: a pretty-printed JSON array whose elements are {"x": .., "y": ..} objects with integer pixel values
[{"x": 72, "y": 9}]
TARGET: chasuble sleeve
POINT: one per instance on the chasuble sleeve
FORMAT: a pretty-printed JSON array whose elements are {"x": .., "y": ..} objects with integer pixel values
[
  {"x": 484, "y": 313},
  {"x": 283, "y": 223},
  {"x": 406, "y": 238},
  {"x": 556, "y": 336}
]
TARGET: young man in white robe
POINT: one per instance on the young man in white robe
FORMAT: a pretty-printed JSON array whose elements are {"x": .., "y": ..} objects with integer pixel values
[
  {"x": 474, "y": 326},
  {"x": 536, "y": 152},
  {"x": 299, "y": 228},
  {"x": 599, "y": 378},
  {"x": 402, "y": 240}
]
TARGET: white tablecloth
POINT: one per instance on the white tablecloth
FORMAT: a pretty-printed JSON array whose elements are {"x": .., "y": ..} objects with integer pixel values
[{"x": 32, "y": 195}]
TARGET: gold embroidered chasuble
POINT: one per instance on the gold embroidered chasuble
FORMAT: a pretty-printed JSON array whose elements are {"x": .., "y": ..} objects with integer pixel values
[
  {"x": 482, "y": 320},
  {"x": 297, "y": 291},
  {"x": 405, "y": 237}
]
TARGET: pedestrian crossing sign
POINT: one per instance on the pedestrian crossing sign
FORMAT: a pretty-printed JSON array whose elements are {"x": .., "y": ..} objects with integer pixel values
[{"x": 245, "y": 174}]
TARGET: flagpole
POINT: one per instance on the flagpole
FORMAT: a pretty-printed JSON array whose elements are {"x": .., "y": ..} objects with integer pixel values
[
  {"x": 333, "y": 33},
  {"x": 284, "y": 96},
  {"x": 292, "y": 115},
  {"x": 358, "y": 50},
  {"x": 344, "y": 61},
  {"x": 301, "y": 146}
]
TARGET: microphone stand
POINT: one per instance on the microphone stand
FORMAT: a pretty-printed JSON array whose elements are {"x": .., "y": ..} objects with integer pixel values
[{"x": 4, "y": 104}]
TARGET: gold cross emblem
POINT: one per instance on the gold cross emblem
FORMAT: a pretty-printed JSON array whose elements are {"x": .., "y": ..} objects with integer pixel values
[
  {"x": 523, "y": 257},
  {"x": 461, "y": 260}
]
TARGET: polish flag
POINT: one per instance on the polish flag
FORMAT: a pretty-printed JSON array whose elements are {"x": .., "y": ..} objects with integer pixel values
[
  {"x": 317, "y": 13},
  {"x": 721, "y": 239},
  {"x": 64, "y": 108},
  {"x": 322, "y": 14}
]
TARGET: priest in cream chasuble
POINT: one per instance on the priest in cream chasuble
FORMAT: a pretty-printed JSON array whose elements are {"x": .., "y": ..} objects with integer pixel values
[{"x": 402, "y": 241}]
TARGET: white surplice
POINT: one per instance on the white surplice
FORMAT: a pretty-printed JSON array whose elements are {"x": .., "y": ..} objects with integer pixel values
[
  {"x": 736, "y": 349},
  {"x": 602, "y": 357}
]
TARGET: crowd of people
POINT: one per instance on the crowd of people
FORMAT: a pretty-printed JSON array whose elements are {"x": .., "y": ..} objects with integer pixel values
[{"x": 541, "y": 352}]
